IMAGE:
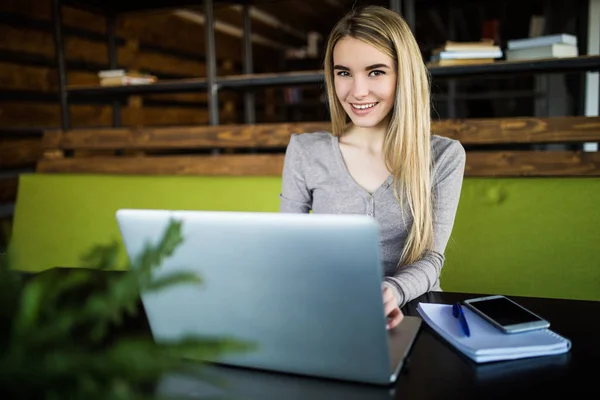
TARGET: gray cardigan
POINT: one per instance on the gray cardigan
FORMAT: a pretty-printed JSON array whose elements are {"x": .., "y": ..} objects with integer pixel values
[{"x": 315, "y": 178}]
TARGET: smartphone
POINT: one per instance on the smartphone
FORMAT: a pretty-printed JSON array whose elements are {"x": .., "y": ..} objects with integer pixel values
[{"x": 505, "y": 314}]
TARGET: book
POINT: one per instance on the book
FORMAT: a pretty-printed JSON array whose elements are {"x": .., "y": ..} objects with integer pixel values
[
  {"x": 121, "y": 77},
  {"x": 111, "y": 73},
  {"x": 463, "y": 61},
  {"x": 472, "y": 54},
  {"x": 483, "y": 45},
  {"x": 126, "y": 80},
  {"x": 487, "y": 343},
  {"x": 465, "y": 53},
  {"x": 557, "y": 50},
  {"x": 538, "y": 41}
]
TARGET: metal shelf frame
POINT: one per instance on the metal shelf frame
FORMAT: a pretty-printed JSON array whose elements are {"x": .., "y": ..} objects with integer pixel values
[
  {"x": 248, "y": 81},
  {"x": 235, "y": 82},
  {"x": 212, "y": 84}
]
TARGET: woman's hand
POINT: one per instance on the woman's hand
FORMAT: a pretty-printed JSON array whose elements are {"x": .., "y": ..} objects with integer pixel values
[{"x": 391, "y": 309}]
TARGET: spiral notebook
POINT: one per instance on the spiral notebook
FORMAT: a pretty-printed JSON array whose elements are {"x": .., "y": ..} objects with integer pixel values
[{"x": 487, "y": 343}]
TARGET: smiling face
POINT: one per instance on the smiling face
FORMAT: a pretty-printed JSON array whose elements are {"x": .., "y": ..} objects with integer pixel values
[{"x": 365, "y": 81}]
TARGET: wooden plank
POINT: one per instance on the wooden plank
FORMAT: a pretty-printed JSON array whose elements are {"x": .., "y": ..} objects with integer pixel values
[
  {"x": 283, "y": 11},
  {"x": 479, "y": 164},
  {"x": 532, "y": 163},
  {"x": 24, "y": 77},
  {"x": 43, "y": 10},
  {"x": 25, "y": 114},
  {"x": 8, "y": 189},
  {"x": 520, "y": 130},
  {"x": 221, "y": 165},
  {"x": 45, "y": 80},
  {"x": 28, "y": 41},
  {"x": 469, "y": 132},
  {"x": 189, "y": 137},
  {"x": 39, "y": 79},
  {"x": 79, "y": 49},
  {"x": 235, "y": 17},
  {"x": 19, "y": 152},
  {"x": 182, "y": 35}
]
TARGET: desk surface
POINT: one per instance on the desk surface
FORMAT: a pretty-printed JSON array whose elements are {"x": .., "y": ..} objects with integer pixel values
[{"x": 436, "y": 371}]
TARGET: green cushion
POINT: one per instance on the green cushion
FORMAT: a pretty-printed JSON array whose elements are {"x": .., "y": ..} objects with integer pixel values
[
  {"x": 521, "y": 236},
  {"x": 59, "y": 217},
  {"x": 526, "y": 236}
]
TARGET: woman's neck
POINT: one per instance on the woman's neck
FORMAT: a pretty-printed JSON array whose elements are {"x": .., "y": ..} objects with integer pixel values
[{"x": 370, "y": 139}]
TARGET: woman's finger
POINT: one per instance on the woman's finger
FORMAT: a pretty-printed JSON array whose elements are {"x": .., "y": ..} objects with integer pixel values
[
  {"x": 394, "y": 318},
  {"x": 389, "y": 307}
]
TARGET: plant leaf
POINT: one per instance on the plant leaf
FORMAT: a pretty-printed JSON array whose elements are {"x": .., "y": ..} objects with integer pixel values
[
  {"x": 61, "y": 325},
  {"x": 29, "y": 309},
  {"x": 101, "y": 256},
  {"x": 172, "y": 279}
]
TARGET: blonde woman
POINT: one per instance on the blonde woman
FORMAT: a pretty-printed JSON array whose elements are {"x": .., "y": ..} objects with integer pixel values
[{"x": 380, "y": 158}]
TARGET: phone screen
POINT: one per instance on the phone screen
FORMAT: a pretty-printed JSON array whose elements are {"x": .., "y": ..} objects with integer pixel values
[{"x": 504, "y": 311}]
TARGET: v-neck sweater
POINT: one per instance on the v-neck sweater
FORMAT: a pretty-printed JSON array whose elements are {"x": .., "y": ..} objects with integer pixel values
[{"x": 315, "y": 178}]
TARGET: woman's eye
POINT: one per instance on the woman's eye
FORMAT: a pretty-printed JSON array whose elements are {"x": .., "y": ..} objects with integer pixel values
[
  {"x": 376, "y": 73},
  {"x": 343, "y": 73}
]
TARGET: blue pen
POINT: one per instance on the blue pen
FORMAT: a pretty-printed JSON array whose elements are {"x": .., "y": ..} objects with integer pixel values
[{"x": 457, "y": 312}]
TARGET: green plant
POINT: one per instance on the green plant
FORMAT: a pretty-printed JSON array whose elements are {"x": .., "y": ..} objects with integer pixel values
[{"x": 57, "y": 328}]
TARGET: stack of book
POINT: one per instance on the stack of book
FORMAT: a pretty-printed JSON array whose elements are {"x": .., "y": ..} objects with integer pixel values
[
  {"x": 118, "y": 77},
  {"x": 549, "y": 46},
  {"x": 465, "y": 53}
]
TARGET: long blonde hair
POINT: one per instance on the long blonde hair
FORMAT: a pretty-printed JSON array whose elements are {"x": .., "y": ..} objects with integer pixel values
[{"x": 407, "y": 144}]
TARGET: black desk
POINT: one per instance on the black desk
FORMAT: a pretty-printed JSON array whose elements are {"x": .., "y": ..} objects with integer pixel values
[{"x": 436, "y": 371}]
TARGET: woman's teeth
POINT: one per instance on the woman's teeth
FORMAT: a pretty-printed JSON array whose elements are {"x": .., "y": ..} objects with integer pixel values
[{"x": 363, "y": 106}]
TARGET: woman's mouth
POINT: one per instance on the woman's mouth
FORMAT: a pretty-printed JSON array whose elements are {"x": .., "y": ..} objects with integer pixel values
[{"x": 362, "y": 108}]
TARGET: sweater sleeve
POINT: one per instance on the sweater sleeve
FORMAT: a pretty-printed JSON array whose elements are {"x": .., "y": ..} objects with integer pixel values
[
  {"x": 423, "y": 275},
  {"x": 295, "y": 197}
]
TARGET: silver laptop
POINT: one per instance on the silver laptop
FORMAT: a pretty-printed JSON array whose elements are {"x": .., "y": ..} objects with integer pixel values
[{"x": 304, "y": 289}]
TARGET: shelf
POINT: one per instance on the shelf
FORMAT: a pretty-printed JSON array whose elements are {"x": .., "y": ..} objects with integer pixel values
[
  {"x": 201, "y": 84},
  {"x": 116, "y": 7},
  {"x": 21, "y": 133},
  {"x": 162, "y": 86},
  {"x": 552, "y": 65},
  {"x": 560, "y": 65},
  {"x": 124, "y": 6}
]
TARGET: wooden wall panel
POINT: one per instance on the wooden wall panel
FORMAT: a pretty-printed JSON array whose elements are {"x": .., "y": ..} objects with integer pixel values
[
  {"x": 160, "y": 63},
  {"x": 24, "y": 77},
  {"x": 16, "y": 153},
  {"x": 268, "y": 136},
  {"x": 496, "y": 164},
  {"x": 18, "y": 77},
  {"x": 22, "y": 114},
  {"x": 42, "y": 10},
  {"x": 471, "y": 132},
  {"x": 177, "y": 33},
  {"x": 84, "y": 50},
  {"x": 26, "y": 40},
  {"x": 532, "y": 163},
  {"x": 188, "y": 137},
  {"x": 8, "y": 189},
  {"x": 45, "y": 80},
  {"x": 39, "y": 79},
  {"x": 163, "y": 29},
  {"x": 223, "y": 165},
  {"x": 520, "y": 130}
]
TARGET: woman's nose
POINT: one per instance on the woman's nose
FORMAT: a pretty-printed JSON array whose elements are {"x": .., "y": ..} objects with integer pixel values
[{"x": 360, "y": 88}]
